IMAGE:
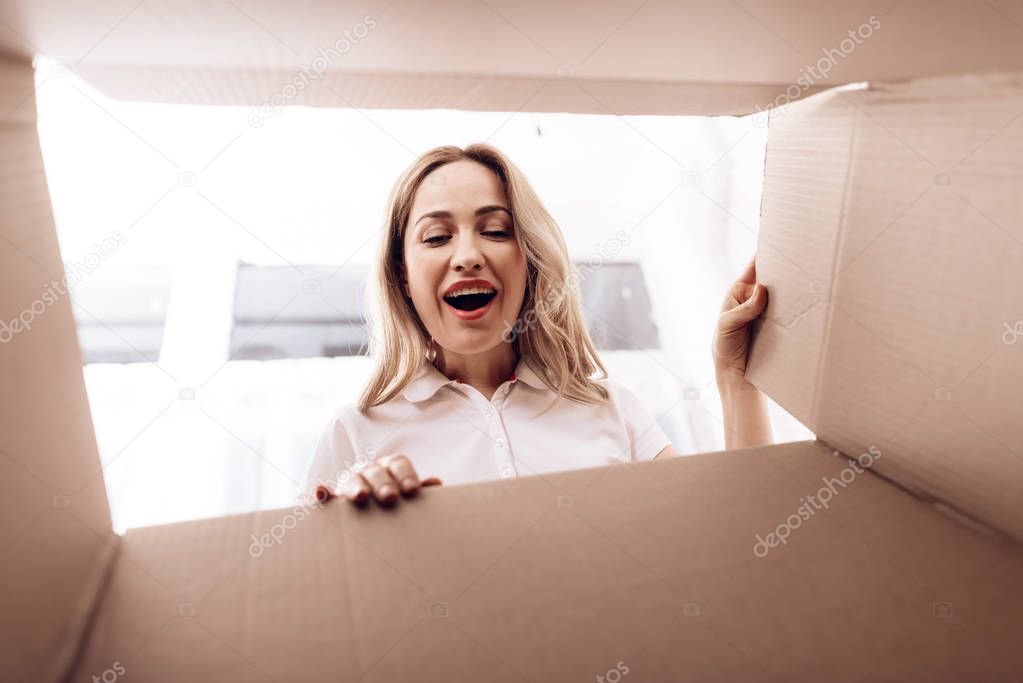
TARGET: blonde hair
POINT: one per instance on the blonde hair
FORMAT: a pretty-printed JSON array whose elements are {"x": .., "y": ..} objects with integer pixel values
[{"x": 550, "y": 333}]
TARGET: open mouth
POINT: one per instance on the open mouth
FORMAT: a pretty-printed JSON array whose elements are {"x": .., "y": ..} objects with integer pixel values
[{"x": 470, "y": 299}]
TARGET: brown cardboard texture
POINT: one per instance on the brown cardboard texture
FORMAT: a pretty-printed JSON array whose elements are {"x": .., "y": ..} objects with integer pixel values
[
  {"x": 55, "y": 531},
  {"x": 682, "y": 57},
  {"x": 892, "y": 245},
  {"x": 562, "y": 577},
  {"x": 701, "y": 568}
]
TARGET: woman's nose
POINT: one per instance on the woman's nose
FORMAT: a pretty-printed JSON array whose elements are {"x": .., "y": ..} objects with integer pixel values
[{"x": 467, "y": 255}]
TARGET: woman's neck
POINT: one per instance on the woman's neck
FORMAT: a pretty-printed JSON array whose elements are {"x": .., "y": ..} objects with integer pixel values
[{"x": 484, "y": 371}]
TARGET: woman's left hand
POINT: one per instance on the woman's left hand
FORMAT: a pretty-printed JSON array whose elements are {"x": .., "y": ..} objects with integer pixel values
[{"x": 745, "y": 300}]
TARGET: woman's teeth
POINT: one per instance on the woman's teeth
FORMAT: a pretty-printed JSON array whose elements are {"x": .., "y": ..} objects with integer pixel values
[
  {"x": 471, "y": 298},
  {"x": 473, "y": 290}
]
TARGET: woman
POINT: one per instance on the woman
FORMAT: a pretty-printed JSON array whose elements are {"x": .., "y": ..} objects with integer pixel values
[{"x": 484, "y": 362}]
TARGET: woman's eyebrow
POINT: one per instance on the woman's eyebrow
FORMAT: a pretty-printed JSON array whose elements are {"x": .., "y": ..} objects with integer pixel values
[{"x": 490, "y": 208}]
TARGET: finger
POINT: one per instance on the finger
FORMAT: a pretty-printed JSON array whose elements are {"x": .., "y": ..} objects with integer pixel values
[
  {"x": 743, "y": 291},
  {"x": 323, "y": 493},
  {"x": 404, "y": 473},
  {"x": 749, "y": 273},
  {"x": 746, "y": 311},
  {"x": 757, "y": 299},
  {"x": 384, "y": 486},
  {"x": 358, "y": 490},
  {"x": 737, "y": 294}
]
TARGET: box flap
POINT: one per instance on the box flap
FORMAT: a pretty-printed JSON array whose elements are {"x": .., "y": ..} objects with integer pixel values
[
  {"x": 891, "y": 245},
  {"x": 684, "y": 57},
  {"x": 653, "y": 567},
  {"x": 260, "y": 90},
  {"x": 55, "y": 532}
]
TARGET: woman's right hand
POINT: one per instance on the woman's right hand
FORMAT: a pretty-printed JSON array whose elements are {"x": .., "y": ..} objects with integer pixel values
[
  {"x": 745, "y": 301},
  {"x": 383, "y": 479}
]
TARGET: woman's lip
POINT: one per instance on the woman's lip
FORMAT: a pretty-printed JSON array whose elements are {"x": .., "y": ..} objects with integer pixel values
[
  {"x": 477, "y": 282},
  {"x": 471, "y": 315}
]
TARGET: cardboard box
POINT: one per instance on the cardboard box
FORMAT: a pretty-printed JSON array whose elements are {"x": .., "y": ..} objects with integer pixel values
[
  {"x": 681, "y": 57},
  {"x": 562, "y": 577},
  {"x": 890, "y": 242}
]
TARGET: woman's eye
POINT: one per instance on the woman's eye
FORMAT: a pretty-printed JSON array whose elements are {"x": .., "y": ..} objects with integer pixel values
[{"x": 494, "y": 232}]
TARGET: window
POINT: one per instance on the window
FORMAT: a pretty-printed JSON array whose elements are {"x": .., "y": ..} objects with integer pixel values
[
  {"x": 120, "y": 313},
  {"x": 269, "y": 323}
]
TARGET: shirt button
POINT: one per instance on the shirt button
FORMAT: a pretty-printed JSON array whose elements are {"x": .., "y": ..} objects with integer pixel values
[
  {"x": 500, "y": 442},
  {"x": 506, "y": 473},
  {"x": 488, "y": 411}
]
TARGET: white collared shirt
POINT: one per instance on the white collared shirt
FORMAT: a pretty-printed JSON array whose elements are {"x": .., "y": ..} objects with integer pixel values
[{"x": 450, "y": 430}]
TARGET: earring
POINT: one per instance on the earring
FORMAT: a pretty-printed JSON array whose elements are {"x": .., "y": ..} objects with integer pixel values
[{"x": 431, "y": 353}]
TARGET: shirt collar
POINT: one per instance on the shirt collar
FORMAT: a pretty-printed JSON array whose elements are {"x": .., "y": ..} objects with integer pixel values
[{"x": 428, "y": 380}]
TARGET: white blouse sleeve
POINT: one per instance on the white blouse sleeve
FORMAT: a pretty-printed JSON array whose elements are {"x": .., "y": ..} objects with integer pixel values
[
  {"x": 334, "y": 459},
  {"x": 646, "y": 437}
]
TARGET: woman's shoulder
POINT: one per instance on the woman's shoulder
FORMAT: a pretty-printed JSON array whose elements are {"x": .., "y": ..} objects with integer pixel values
[
  {"x": 615, "y": 387},
  {"x": 345, "y": 416},
  {"x": 343, "y": 412},
  {"x": 622, "y": 398},
  {"x": 349, "y": 415}
]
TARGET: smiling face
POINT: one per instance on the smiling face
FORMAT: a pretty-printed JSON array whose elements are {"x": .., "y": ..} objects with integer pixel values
[{"x": 460, "y": 228}]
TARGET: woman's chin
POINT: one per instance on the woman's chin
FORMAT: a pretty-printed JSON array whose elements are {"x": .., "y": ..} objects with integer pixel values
[{"x": 467, "y": 342}]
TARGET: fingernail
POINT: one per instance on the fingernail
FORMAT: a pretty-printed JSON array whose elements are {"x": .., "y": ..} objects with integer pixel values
[
  {"x": 408, "y": 483},
  {"x": 387, "y": 491}
]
